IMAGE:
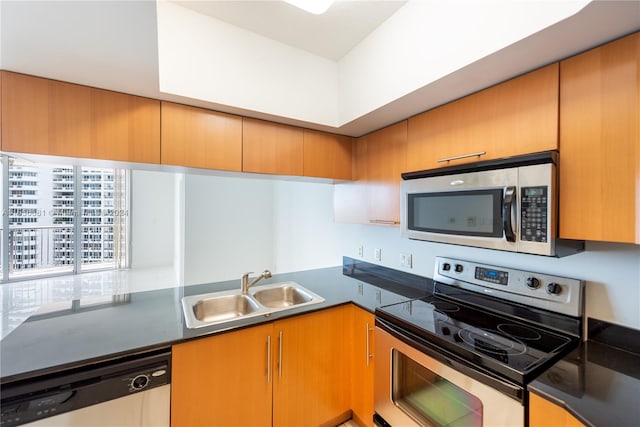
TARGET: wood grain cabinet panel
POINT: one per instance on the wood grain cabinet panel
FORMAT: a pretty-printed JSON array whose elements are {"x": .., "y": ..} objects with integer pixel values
[
  {"x": 543, "y": 413},
  {"x": 518, "y": 116},
  {"x": 43, "y": 116},
  {"x": 124, "y": 127},
  {"x": 600, "y": 143},
  {"x": 288, "y": 373},
  {"x": 222, "y": 380},
  {"x": 374, "y": 196},
  {"x": 327, "y": 155},
  {"x": 362, "y": 362},
  {"x": 199, "y": 138},
  {"x": 311, "y": 385},
  {"x": 271, "y": 148}
]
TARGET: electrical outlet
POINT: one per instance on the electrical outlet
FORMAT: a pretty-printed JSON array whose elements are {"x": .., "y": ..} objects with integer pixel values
[
  {"x": 406, "y": 260},
  {"x": 361, "y": 251},
  {"x": 377, "y": 254}
]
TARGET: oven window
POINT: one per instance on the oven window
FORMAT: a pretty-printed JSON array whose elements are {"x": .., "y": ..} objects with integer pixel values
[
  {"x": 468, "y": 213},
  {"x": 430, "y": 399}
]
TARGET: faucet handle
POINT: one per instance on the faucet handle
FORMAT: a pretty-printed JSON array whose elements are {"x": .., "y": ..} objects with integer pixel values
[{"x": 266, "y": 274}]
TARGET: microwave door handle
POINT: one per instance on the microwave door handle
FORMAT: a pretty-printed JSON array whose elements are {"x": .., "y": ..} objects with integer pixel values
[{"x": 507, "y": 208}]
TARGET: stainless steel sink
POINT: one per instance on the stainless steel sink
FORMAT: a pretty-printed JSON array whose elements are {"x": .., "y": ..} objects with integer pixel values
[
  {"x": 282, "y": 296},
  {"x": 221, "y": 308},
  {"x": 226, "y": 306}
]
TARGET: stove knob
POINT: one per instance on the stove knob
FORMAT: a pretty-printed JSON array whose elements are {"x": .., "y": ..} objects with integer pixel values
[
  {"x": 446, "y": 266},
  {"x": 554, "y": 289},
  {"x": 446, "y": 331},
  {"x": 533, "y": 283},
  {"x": 459, "y": 268}
]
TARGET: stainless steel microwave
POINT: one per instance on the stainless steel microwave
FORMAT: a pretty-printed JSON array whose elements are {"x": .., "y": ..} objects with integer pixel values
[{"x": 508, "y": 204}]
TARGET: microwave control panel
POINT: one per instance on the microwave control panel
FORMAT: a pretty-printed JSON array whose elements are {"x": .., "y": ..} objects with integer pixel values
[{"x": 534, "y": 210}]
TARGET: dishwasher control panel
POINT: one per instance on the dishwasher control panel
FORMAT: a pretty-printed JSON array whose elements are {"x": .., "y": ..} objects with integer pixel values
[{"x": 54, "y": 394}]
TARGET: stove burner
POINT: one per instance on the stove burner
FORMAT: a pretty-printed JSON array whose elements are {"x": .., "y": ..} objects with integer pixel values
[
  {"x": 490, "y": 342},
  {"x": 519, "y": 331},
  {"x": 444, "y": 306}
]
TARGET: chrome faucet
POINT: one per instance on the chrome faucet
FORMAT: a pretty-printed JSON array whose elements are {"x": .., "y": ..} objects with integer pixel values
[{"x": 245, "y": 280}]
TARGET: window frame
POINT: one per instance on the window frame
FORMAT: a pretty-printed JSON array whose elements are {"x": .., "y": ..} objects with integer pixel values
[{"x": 77, "y": 225}]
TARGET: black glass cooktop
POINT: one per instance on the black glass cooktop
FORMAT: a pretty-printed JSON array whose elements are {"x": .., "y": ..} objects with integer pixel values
[{"x": 501, "y": 343}]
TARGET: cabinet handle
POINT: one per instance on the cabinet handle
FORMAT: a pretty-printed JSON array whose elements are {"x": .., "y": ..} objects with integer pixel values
[
  {"x": 268, "y": 359},
  {"x": 280, "y": 355},
  {"x": 463, "y": 156},
  {"x": 384, "y": 221},
  {"x": 369, "y": 355}
]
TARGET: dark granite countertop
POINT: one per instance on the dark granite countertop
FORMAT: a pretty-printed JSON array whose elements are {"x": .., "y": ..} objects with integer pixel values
[
  {"x": 598, "y": 383},
  {"x": 136, "y": 322}
]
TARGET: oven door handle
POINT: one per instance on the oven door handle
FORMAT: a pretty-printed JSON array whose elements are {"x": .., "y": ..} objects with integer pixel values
[
  {"x": 507, "y": 209},
  {"x": 478, "y": 373}
]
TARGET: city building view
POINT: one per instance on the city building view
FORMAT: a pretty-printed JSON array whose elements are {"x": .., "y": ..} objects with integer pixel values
[{"x": 48, "y": 221}]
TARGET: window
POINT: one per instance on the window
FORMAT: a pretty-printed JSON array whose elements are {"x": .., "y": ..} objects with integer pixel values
[{"x": 62, "y": 219}]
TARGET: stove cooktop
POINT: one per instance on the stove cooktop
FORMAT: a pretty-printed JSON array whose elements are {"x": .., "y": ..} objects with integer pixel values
[
  {"x": 505, "y": 345},
  {"x": 493, "y": 318}
]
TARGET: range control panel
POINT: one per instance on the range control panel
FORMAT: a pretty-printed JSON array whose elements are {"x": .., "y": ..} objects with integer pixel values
[{"x": 559, "y": 294}]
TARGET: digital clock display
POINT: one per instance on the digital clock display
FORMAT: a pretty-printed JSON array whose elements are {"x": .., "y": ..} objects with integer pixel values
[
  {"x": 492, "y": 276},
  {"x": 534, "y": 191}
]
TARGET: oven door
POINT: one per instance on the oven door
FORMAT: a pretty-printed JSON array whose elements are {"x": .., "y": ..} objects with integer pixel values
[{"x": 414, "y": 389}]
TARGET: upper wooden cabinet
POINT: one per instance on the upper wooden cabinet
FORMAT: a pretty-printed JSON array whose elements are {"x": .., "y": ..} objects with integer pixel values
[
  {"x": 42, "y": 116},
  {"x": 374, "y": 196},
  {"x": 518, "y": 116},
  {"x": 327, "y": 155},
  {"x": 543, "y": 413},
  {"x": 599, "y": 143},
  {"x": 271, "y": 148},
  {"x": 199, "y": 138}
]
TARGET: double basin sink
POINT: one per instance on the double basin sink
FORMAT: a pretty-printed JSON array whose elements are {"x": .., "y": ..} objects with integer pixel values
[{"x": 226, "y": 306}]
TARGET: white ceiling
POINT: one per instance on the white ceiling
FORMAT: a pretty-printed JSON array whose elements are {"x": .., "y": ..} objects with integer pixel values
[
  {"x": 330, "y": 35},
  {"x": 113, "y": 44}
]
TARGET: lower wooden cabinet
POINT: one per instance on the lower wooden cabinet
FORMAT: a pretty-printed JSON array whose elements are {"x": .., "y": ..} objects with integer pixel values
[
  {"x": 311, "y": 385},
  {"x": 223, "y": 380},
  {"x": 543, "y": 413},
  {"x": 290, "y": 372},
  {"x": 362, "y": 360}
]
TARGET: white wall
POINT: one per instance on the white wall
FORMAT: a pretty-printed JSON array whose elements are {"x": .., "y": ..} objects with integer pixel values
[
  {"x": 235, "y": 225},
  {"x": 611, "y": 271},
  {"x": 205, "y": 58},
  {"x": 152, "y": 219},
  {"x": 425, "y": 41}
]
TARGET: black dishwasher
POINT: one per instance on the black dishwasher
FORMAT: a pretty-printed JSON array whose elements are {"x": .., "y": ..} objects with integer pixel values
[{"x": 70, "y": 390}]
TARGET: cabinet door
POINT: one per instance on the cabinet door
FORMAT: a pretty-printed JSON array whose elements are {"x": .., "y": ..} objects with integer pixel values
[
  {"x": 543, "y": 413},
  {"x": 362, "y": 360},
  {"x": 223, "y": 380},
  {"x": 518, "y": 116},
  {"x": 271, "y": 148},
  {"x": 124, "y": 127},
  {"x": 327, "y": 155},
  {"x": 599, "y": 143},
  {"x": 311, "y": 371},
  {"x": 351, "y": 199},
  {"x": 386, "y": 160},
  {"x": 199, "y": 138},
  {"x": 42, "y": 116}
]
